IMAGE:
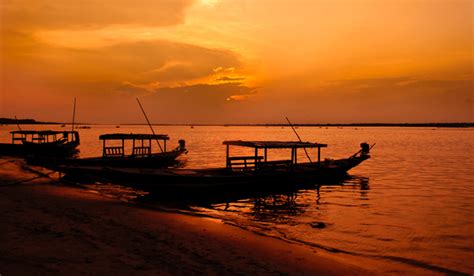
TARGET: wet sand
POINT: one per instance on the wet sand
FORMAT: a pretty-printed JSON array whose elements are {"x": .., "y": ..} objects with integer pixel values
[{"x": 52, "y": 228}]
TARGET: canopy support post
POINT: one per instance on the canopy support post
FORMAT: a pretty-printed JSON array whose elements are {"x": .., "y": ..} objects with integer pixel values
[
  {"x": 296, "y": 156},
  {"x": 123, "y": 148},
  {"x": 256, "y": 156},
  {"x": 319, "y": 155},
  {"x": 227, "y": 157}
]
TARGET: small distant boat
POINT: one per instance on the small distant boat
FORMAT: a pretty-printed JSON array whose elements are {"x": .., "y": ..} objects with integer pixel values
[
  {"x": 83, "y": 127},
  {"x": 141, "y": 155},
  {"x": 63, "y": 125},
  {"x": 117, "y": 126},
  {"x": 241, "y": 172},
  {"x": 41, "y": 143}
]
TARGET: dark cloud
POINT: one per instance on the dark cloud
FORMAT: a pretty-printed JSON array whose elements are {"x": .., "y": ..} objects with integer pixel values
[
  {"x": 66, "y": 14},
  {"x": 200, "y": 97},
  {"x": 230, "y": 79},
  {"x": 145, "y": 62},
  {"x": 139, "y": 63},
  {"x": 216, "y": 92},
  {"x": 403, "y": 99},
  {"x": 198, "y": 103}
]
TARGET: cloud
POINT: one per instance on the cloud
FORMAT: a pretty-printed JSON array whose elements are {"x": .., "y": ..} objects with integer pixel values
[
  {"x": 220, "y": 69},
  {"x": 140, "y": 63},
  {"x": 198, "y": 103},
  {"x": 230, "y": 79},
  {"x": 202, "y": 97},
  {"x": 400, "y": 99},
  {"x": 219, "y": 92},
  {"x": 67, "y": 14}
]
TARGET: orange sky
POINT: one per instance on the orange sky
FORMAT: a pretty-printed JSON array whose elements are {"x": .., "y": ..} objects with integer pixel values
[{"x": 238, "y": 61}]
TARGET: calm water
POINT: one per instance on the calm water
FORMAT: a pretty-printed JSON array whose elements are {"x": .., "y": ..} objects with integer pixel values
[{"x": 412, "y": 203}]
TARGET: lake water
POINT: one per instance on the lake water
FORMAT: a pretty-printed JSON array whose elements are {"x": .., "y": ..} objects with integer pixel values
[{"x": 412, "y": 203}]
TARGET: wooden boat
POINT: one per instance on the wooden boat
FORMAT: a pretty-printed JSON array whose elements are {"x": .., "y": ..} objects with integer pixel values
[
  {"x": 41, "y": 143},
  {"x": 241, "y": 172},
  {"x": 141, "y": 155}
]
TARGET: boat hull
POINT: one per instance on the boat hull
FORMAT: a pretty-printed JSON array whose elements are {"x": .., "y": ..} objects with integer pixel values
[
  {"x": 214, "y": 179},
  {"x": 158, "y": 160},
  {"x": 43, "y": 149},
  {"x": 12, "y": 149}
]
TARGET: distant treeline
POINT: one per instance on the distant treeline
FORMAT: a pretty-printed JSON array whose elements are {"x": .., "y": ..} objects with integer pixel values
[
  {"x": 382, "y": 125},
  {"x": 453, "y": 125},
  {"x": 9, "y": 121}
]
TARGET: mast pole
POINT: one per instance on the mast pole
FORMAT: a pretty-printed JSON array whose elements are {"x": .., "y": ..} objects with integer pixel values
[
  {"x": 294, "y": 130},
  {"x": 149, "y": 124},
  {"x": 73, "y": 114},
  {"x": 17, "y": 124}
]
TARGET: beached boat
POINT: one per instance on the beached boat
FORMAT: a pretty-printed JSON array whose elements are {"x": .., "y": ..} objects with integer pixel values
[
  {"x": 41, "y": 143},
  {"x": 241, "y": 172},
  {"x": 142, "y": 154}
]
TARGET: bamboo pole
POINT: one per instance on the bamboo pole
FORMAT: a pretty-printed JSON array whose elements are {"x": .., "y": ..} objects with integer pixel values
[
  {"x": 17, "y": 124},
  {"x": 294, "y": 130},
  {"x": 73, "y": 115},
  {"x": 149, "y": 124}
]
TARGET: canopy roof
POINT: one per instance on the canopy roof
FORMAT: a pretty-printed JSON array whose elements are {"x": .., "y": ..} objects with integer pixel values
[
  {"x": 130, "y": 136},
  {"x": 41, "y": 132},
  {"x": 274, "y": 144}
]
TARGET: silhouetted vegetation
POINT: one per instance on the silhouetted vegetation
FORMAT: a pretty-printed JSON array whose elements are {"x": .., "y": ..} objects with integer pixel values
[
  {"x": 10, "y": 121},
  {"x": 452, "y": 125}
]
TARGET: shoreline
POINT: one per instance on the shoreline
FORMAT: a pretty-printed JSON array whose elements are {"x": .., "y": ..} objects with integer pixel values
[
  {"x": 8, "y": 121},
  {"x": 53, "y": 228}
]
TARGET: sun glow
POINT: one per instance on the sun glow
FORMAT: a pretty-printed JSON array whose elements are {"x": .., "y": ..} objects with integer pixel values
[
  {"x": 209, "y": 3},
  {"x": 302, "y": 54}
]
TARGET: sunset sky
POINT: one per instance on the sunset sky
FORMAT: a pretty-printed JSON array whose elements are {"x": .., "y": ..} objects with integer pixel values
[{"x": 237, "y": 61}]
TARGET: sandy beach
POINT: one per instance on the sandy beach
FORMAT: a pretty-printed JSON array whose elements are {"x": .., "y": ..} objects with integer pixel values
[{"x": 52, "y": 228}]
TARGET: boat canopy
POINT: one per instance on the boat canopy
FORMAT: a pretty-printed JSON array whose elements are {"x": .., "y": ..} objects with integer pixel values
[
  {"x": 141, "y": 144},
  {"x": 258, "y": 161},
  {"x": 43, "y": 136},
  {"x": 41, "y": 132},
  {"x": 132, "y": 136},
  {"x": 274, "y": 144}
]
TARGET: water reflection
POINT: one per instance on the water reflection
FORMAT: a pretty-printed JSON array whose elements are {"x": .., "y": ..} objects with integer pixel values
[
  {"x": 282, "y": 207},
  {"x": 277, "y": 198},
  {"x": 262, "y": 205},
  {"x": 277, "y": 207}
]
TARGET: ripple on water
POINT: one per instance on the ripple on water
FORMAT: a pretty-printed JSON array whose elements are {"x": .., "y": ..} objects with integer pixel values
[{"x": 412, "y": 203}]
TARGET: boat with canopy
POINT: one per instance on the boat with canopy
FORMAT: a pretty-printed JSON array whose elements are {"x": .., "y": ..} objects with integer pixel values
[
  {"x": 141, "y": 154},
  {"x": 240, "y": 172},
  {"x": 41, "y": 143}
]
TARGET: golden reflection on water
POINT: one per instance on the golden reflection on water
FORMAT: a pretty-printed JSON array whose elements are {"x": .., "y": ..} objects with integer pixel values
[{"x": 413, "y": 202}]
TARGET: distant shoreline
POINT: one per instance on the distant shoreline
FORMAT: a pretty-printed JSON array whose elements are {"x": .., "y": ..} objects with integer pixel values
[
  {"x": 10, "y": 121},
  {"x": 452, "y": 125}
]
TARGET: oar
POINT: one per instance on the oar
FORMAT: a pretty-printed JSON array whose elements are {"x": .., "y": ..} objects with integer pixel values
[
  {"x": 294, "y": 130},
  {"x": 149, "y": 124}
]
